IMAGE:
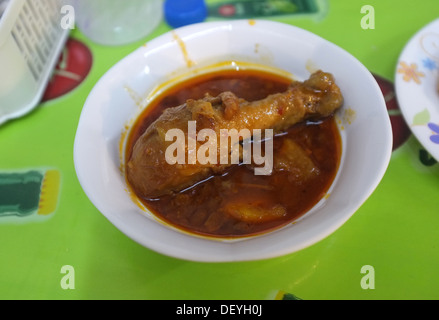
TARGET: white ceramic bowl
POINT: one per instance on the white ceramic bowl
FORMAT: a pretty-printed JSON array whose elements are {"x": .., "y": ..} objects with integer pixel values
[{"x": 114, "y": 102}]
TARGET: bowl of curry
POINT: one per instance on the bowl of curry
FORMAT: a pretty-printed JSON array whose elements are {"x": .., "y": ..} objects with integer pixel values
[{"x": 232, "y": 141}]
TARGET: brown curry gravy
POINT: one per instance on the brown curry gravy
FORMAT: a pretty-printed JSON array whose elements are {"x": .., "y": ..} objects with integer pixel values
[{"x": 199, "y": 209}]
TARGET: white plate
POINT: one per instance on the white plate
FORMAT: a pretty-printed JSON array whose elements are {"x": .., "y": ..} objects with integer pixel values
[
  {"x": 364, "y": 123},
  {"x": 416, "y": 83}
]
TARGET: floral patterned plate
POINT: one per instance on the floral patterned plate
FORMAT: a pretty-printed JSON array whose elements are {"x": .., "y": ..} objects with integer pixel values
[{"x": 417, "y": 86}]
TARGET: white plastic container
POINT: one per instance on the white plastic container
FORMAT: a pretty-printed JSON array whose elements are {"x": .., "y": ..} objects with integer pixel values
[
  {"x": 31, "y": 39},
  {"x": 117, "y": 22}
]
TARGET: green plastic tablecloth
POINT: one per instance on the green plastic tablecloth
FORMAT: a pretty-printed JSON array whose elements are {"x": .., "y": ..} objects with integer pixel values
[{"x": 73, "y": 252}]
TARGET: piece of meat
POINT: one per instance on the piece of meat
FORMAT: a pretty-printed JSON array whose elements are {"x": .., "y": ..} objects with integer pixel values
[
  {"x": 254, "y": 212},
  {"x": 151, "y": 176},
  {"x": 293, "y": 159}
]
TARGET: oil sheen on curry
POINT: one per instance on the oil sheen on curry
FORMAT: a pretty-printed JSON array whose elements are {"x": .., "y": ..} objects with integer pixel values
[{"x": 224, "y": 199}]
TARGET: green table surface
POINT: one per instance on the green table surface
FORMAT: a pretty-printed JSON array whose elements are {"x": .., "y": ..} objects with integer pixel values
[{"x": 395, "y": 232}]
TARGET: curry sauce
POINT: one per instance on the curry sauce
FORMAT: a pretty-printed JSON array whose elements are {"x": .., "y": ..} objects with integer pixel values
[{"x": 237, "y": 202}]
